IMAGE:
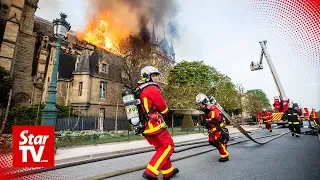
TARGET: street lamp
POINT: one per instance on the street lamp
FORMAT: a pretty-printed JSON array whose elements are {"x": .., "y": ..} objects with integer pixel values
[{"x": 49, "y": 113}]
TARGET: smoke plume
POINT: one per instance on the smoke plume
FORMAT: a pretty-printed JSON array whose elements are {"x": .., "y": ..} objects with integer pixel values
[{"x": 137, "y": 15}]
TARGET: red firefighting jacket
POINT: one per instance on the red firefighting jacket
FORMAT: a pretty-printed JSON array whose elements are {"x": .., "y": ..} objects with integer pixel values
[
  {"x": 213, "y": 118},
  {"x": 314, "y": 115},
  {"x": 154, "y": 104},
  {"x": 266, "y": 116}
]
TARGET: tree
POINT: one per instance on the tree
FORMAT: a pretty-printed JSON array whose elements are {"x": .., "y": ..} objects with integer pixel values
[
  {"x": 256, "y": 100},
  {"x": 187, "y": 79},
  {"x": 5, "y": 86}
]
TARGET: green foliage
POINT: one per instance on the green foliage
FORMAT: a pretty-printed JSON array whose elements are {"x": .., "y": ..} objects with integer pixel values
[
  {"x": 5, "y": 86},
  {"x": 27, "y": 115},
  {"x": 189, "y": 73},
  {"x": 256, "y": 100},
  {"x": 187, "y": 79}
]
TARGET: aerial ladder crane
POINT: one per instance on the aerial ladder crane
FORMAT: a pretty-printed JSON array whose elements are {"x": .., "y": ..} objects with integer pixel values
[{"x": 280, "y": 103}]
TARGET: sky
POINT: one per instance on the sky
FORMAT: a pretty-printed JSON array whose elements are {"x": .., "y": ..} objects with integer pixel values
[{"x": 226, "y": 35}]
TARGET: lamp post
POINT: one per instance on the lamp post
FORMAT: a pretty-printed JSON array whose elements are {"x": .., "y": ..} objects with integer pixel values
[{"x": 49, "y": 113}]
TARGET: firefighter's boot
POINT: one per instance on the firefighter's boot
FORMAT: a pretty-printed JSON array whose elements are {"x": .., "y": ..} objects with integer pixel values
[
  {"x": 148, "y": 177},
  {"x": 270, "y": 130},
  {"x": 292, "y": 134},
  {"x": 297, "y": 135},
  {"x": 223, "y": 159},
  {"x": 175, "y": 171}
]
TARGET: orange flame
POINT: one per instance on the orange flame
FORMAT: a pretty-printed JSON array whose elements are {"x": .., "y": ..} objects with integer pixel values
[{"x": 105, "y": 32}]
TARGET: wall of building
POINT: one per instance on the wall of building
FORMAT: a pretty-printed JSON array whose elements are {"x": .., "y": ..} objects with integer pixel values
[
  {"x": 113, "y": 97},
  {"x": 86, "y": 79},
  {"x": 23, "y": 81},
  {"x": 64, "y": 92},
  {"x": 11, "y": 19},
  {"x": 32, "y": 53}
]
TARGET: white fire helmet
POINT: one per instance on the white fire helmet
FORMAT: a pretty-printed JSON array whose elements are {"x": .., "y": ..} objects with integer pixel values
[
  {"x": 264, "y": 109},
  {"x": 147, "y": 71},
  {"x": 201, "y": 98}
]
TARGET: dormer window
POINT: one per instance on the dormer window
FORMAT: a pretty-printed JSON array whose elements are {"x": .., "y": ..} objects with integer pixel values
[{"x": 104, "y": 68}]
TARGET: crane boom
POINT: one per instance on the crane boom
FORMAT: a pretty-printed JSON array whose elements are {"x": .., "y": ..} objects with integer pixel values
[
  {"x": 281, "y": 105},
  {"x": 275, "y": 76}
]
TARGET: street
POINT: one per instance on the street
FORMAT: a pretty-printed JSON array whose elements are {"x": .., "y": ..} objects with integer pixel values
[{"x": 284, "y": 158}]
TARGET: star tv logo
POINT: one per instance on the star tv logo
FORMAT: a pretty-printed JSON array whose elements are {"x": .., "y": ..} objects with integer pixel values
[{"x": 33, "y": 146}]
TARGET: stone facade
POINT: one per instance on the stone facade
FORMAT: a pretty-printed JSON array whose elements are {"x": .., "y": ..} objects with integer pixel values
[
  {"x": 17, "y": 47},
  {"x": 90, "y": 79}
]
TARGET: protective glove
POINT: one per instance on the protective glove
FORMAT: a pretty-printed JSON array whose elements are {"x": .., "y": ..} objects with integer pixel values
[
  {"x": 139, "y": 128},
  {"x": 204, "y": 122}
]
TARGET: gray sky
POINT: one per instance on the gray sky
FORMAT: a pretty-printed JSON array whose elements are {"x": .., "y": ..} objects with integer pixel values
[{"x": 226, "y": 35}]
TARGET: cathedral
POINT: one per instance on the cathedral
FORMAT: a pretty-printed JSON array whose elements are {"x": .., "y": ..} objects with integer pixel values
[{"x": 89, "y": 79}]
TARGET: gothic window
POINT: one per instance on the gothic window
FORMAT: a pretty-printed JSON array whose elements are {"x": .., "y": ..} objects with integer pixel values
[
  {"x": 80, "y": 88},
  {"x": 103, "y": 90},
  {"x": 2, "y": 29},
  {"x": 4, "y": 11}
]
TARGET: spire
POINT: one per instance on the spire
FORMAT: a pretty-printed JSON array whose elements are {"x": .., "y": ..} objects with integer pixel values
[
  {"x": 172, "y": 49},
  {"x": 153, "y": 38}
]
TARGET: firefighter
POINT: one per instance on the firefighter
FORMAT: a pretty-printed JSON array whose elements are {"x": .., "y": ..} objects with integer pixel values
[
  {"x": 154, "y": 108},
  {"x": 314, "y": 117},
  {"x": 293, "y": 117},
  {"x": 218, "y": 134},
  {"x": 266, "y": 118}
]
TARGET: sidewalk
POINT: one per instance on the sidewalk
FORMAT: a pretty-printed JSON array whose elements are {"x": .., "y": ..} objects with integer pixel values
[{"x": 72, "y": 154}]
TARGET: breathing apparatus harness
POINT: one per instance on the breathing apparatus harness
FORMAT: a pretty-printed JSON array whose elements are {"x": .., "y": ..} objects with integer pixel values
[
  {"x": 225, "y": 132},
  {"x": 136, "y": 116}
]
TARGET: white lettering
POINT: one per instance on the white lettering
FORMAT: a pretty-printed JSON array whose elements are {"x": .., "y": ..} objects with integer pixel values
[
  {"x": 44, "y": 140},
  {"x": 25, "y": 139},
  {"x": 39, "y": 141},
  {"x": 36, "y": 156},
  {"x": 30, "y": 139}
]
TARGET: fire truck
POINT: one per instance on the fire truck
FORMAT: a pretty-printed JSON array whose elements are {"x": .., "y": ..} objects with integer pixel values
[{"x": 280, "y": 103}]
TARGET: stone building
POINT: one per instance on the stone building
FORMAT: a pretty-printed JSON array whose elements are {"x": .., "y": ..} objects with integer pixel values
[{"x": 90, "y": 79}]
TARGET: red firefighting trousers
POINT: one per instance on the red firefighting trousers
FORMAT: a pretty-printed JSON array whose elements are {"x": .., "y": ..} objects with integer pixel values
[
  {"x": 164, "y": 146},
  {"x": 268, "y": 125},
  {"x": 214, "y": 140}
]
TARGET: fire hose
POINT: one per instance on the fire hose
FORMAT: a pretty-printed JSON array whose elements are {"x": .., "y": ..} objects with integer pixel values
[{"x": 235, "y": 124}]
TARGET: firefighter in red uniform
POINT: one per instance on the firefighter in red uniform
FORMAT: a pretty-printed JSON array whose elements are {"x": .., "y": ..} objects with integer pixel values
[
  {"x": 155, "y": 132},
  {"x": 314, "y": 117},
  {"x": 212, "y": 120},
  {"x": 266, "y": 117}
]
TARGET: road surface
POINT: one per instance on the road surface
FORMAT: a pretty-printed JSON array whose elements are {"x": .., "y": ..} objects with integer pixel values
[{"x": 284, "y": 158}]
